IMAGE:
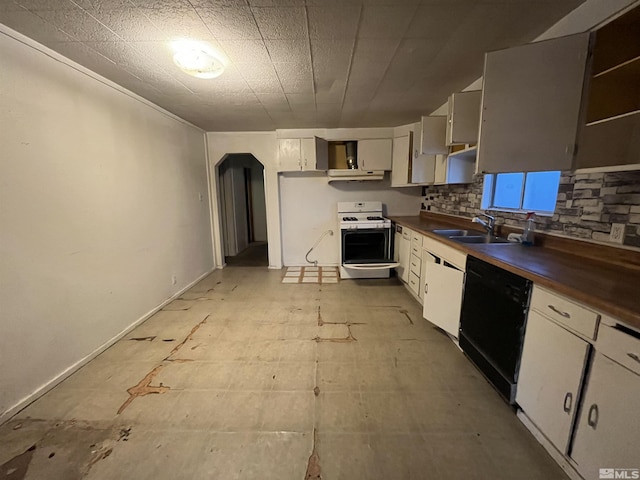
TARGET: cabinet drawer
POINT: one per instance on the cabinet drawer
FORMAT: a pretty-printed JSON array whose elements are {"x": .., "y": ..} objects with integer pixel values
[
  {"x": 414, "y": 283},
  {"x": 445, "y": 252},
  {"x": 416, "y": 240},
  {"x": 576, "y": 317},
  {"x": 407, "y": 234},
  {"x": 620, "y": 346},
  {"x": 416, "y": 250},
  {"x": 416, "y": 263}
]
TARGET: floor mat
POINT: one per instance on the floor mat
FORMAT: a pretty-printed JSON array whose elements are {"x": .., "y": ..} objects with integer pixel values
[{"x": 311, "y": 275}]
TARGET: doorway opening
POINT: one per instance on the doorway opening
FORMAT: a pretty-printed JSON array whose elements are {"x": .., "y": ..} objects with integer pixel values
[{"x": 243, "y": 211}]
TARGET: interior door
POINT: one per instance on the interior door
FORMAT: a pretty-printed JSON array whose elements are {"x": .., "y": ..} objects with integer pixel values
[{"x": 443, "y": 296}]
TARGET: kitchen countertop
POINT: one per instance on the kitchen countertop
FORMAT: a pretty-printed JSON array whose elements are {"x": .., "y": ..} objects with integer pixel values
[{"x": 611, "y": 289}]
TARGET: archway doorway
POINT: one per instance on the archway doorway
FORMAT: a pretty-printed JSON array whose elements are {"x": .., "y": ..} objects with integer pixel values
[{"x": 243, "y": 211}]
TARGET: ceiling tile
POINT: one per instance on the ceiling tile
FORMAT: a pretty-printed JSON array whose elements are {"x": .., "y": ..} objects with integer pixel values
[
  {"x": 230, "y": 23},
  {"x": 281, "y": 23},
  {"x": 333, "y": 21},
  {"x": 330, "y": 91},
  {"x": 10, "y": 6},
  {"x": 437, "y": 21},
  {"x": 244, "y": 51},
  {"x": 42, "y": 5},
  {"x": 272, "y": 98},
  {"x": 79, "y": 25},
  {"x": 261, "y": 77},
  {"x": 218, "y": 3},
  {"x": 276, "y": 3},
  {"x": 295, "y": 77},
  {"x": 292, "y": 50},
  {"x": 130, "y": 24},
  {"x": 167, "y": 5},
  {"x": 385, "y": 22},
  {"x": 31, "y": 25},
  {"x": 179, "y": 23},
  {"x": 375, "y": 50},
  {"x": 334, "y": 52}
]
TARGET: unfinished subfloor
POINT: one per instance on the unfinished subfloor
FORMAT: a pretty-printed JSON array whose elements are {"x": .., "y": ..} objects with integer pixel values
[{"x": 244, "y": 377}]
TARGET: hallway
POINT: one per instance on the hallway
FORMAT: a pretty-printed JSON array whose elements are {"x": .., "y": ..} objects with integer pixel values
[{"x": 244, "y": 377}]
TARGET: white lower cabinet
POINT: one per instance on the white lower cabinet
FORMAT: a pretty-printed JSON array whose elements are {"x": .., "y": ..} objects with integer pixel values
[
  {"x": 403, "y": 249},
  {"x": 551, "y": 370},
  {"x": 443, "y": 286},
  {"x": 608, "y": 432}
]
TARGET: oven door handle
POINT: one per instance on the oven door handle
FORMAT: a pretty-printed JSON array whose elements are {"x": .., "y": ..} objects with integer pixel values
[{"x": 371, "y": 266}]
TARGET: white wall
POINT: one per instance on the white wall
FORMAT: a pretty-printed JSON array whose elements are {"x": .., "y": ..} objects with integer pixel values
[
  {"x": 309, "y": 204},
  {"x": 264, "y": 147},
  {"x": 99, "y": 207}
]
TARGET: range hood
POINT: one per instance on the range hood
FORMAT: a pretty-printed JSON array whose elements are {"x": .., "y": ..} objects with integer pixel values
[{"x": 351, "y": 175}]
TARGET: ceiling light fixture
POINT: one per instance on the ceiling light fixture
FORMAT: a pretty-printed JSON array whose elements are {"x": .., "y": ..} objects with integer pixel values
[{"x": 197, "y": 59}]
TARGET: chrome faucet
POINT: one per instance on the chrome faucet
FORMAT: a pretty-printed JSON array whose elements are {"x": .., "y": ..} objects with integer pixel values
[{"x": 489, "y": 225}]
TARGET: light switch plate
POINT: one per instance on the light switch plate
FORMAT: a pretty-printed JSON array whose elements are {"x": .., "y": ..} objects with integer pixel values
[{"x": 617, "y": 233}]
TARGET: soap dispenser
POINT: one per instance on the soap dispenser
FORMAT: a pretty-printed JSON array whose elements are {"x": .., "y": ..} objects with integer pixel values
[{"x": 529, "y": 228}]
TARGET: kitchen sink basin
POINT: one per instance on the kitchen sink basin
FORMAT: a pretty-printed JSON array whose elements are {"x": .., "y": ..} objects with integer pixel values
[
  {"x": 481, "y": 239},
  {"x": 454, "y": 233}
]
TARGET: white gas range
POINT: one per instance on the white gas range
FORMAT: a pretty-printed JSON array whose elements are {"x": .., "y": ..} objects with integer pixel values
[{"x": 365, "y": 240}]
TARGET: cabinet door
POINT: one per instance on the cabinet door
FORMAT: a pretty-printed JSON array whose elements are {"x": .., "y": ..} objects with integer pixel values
[
  {"x": 400, "y": 166},
  {"x": 443, "y": 296},
  {"x": 423, "y": 169},
  {"x": 375, "y": 154},
  {"x": 531, "y": 105},
  {"x": 289, "y": 154},
  {"x": 434, "y": 135},
  {"x": 315, "y": 154},
  {"x": 463, "y": 118},
  {"x": 404, "y": 255},
  {"x": 440, "y": 170},
  {"x": 608, "y": 432},
  {"x": 551, "y": 370}
]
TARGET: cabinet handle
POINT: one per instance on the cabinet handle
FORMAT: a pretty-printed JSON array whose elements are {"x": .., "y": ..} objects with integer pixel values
[
  {"x": 559, "y": 312},
  {"x": 568, "y": 398},
  {"x": 633, "y": 356},
  {"x": 592, "y": 418},
  {"x": 426, "y": 287}
]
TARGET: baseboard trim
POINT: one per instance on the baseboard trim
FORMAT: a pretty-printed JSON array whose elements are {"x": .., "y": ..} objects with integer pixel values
[
  {"x": 548, "y": 446},
  {"x": 15, "y": 409}
]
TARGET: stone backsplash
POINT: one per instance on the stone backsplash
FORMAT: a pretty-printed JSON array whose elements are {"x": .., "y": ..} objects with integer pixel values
[{"x": 586, "y": 207}]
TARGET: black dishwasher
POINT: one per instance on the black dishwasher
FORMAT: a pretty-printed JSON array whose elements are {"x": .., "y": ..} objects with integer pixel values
[{"x": 492, "y": 322}]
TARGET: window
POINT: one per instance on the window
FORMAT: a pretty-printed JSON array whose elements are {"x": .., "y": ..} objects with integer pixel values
[{"x": 522, "y": 191}]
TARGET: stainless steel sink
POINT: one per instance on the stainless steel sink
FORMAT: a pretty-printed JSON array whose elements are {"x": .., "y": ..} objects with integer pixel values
[
  {"x": 481, "y": 239},
  {"x": 454, "y": 233}
]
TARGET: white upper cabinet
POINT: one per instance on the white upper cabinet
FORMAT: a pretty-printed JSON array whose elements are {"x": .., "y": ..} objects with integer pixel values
[
  {"x": 433, "y": 134},
  {"x": 300, "y": 154},
  {"x": 463, "y": 117},
  {"x": 531, "y": 105},
  {"x": 400, "y": 164},
  {"x": 375, "y": 154}
]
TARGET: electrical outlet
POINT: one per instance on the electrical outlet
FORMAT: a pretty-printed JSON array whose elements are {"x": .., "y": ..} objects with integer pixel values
[
  {"x": 617, "y": 233},
  {"x": 174, "y": 279}
]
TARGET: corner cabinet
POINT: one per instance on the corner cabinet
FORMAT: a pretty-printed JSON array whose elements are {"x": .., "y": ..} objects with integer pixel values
[{"x": 302, "y": 154}]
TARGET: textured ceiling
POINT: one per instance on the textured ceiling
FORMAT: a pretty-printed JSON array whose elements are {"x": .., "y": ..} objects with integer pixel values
[{"x": 292, "y": 63}]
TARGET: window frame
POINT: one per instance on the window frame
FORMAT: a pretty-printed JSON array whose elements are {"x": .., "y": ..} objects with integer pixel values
[{"x": 490, "y": 204}]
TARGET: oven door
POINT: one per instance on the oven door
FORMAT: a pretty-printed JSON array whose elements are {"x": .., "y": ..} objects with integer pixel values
[{"x": 367, "y": 249}]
